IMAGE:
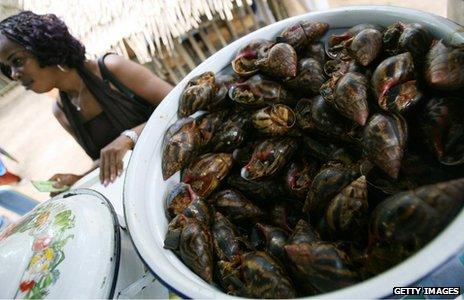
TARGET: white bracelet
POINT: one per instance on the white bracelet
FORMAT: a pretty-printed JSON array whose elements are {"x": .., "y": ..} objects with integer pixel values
[{"x": 132, "y": 135}]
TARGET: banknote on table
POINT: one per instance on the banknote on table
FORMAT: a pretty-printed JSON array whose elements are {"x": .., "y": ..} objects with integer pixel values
[{"x": 46, "y": 186}]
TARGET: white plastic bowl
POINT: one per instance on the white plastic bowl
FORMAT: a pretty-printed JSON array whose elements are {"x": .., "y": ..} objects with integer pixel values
[{"x": 144, "y": 188}]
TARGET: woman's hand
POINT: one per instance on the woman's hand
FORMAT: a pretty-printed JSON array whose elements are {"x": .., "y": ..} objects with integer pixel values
[
  {"x": 111, "y": 165},
  {"x": 63, "y": 180}
]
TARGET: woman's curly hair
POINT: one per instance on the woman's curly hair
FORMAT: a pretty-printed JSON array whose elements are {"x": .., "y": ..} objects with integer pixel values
[{"x": 46, "y": 37}]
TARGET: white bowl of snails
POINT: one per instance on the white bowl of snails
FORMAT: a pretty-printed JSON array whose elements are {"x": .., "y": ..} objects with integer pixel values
[{"x": 145, "y": 189}]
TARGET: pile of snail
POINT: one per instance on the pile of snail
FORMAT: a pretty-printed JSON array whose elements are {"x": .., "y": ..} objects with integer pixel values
[{"x": 319, "y": 161}]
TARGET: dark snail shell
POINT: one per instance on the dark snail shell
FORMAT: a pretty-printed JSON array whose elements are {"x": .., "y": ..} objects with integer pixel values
[
  {"x": 231, "y": 133},
  {"x": 444, "y": 67},
  {"x": 178, "y": 198},
  {"x": 403, "y": 223},
  {"x": 264, "y": 277},
  {"x": 274, "y": 120},
  {"x": 338, "y": 44},
  {"x": 320, "y": 267},
  {"x": 348, "y": 210},
  {"x": 226, "y": 239},
  {"x": 316, "y": 51},
  {"x": 416, "y": 216},
  {"x": 303, "y": 33},
  {"x": 394, "y": 83},
  {"x": 196, "y": 249},
  {"x": 192, "y": 241},
  {"x": 316, "y": 114},
  {"x": 208, "y": 125},
  {"x": 181, "y": 143},
  {"x": 221, "y": 99},
  {"x": 298, "y": 177},
  {"x": 258, "y": 91},
  {"x": 366, "y": 46},
  {"x": 236, "y": 206},
  {"x": 443, "y": 129},
  {"x": 269, "y": 157},
  {"x": 309, "y": 77},
  {"x": 326, "y": 185},
  {"x": 350, "y": 97},
  {"x": 260, "y": 191},
  {"x": 384, "y": 140},
  {"x": 200, "y": 91},
  {"x": 244, "y": 63},
  {"x": 303, "y": 233},
  {"x": 205, "y": 173},
  {"x": 270, "y": 238},
  {"x": 415, "y": 39},
  {"x": 401, "y": 37},
  {"x": 199, "y": 210},
  {"x": 280, "y": 62},
  {"x": 284, "y": 214}
]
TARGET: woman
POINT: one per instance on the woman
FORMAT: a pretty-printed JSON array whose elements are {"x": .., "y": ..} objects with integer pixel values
[{"x": 103, "y": 104}]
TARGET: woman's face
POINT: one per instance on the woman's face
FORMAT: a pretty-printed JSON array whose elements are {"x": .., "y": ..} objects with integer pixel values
[{"x": 25, "y": 67}]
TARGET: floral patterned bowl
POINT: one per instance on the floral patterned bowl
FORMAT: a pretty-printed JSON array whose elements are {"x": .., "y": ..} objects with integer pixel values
[{"x": 66, "y": 247}]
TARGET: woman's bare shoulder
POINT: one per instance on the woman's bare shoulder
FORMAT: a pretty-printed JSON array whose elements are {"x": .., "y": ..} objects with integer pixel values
[
  {"x": 121, "y": 66},
  {"x": 137, "y": 78}
]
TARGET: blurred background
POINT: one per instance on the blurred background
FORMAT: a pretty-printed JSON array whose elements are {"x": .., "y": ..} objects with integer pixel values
[{"x": 170, "y": 37}]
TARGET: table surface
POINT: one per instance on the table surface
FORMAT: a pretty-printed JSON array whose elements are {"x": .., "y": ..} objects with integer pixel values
[{"x": 113, "y": 192}]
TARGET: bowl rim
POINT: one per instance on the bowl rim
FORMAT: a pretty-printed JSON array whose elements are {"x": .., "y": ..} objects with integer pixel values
[{"x": 419, "y": 265}]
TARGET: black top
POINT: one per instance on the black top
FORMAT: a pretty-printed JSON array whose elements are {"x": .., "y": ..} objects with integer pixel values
[
  {"x": 101, "y": 130},
  {"x": 122, "y": 110}
]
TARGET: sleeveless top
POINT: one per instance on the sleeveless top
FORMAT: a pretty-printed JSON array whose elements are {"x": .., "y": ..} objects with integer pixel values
[
  {"x": 122, "y": 110},
  {"x": 101, "y": 130}
]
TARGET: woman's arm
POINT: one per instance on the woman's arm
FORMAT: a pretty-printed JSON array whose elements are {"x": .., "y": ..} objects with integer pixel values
[
  {"x": 142, "y": 82},
  {"x": 138, "y": 78},
  {"x": 69, "y": 179},
  {"x": 111, "y": 156}
]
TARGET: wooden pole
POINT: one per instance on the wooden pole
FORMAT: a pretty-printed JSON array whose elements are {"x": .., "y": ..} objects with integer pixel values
[
  {"x": 218, "y": 33},
  {"x": 242, "y": 17},
  {"x": 196, "y": 46},
  {"x": 171, "y": 73},
  {"x": 206, "y": 40},
  {"x": 275, "y": 10},
  {"x": 185, "y": 55},
  {"x": 231, "y": 29},
  {"x": 178, "y": 63},
  {"x": 157, "y": 67},
  {"x": 250, "y": 12},
  {"x": 264, "y": 9}
]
